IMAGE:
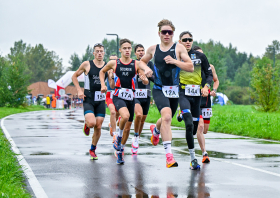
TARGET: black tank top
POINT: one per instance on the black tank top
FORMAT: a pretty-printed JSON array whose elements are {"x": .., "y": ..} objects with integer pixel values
[
  {"x": 125, "y": 75},
  {"x": 165, "y": 74},
  {"x": 92, "y": 80}
]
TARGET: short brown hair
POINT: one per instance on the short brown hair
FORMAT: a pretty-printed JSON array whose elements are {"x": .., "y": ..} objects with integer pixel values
[
  {"x": 165, "y": 22},
  {"x": 185, "y": 32},
  {"x": 122, "y": 41}
]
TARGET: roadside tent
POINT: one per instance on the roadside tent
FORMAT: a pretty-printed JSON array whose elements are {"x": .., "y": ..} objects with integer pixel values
[{"x": 221, "y": 99}]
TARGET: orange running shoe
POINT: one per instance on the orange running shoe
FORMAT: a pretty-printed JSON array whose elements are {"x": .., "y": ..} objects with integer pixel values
[
  {"x": 170, "y": 162},
  {"x": 111, "y": 130},
  {"x": 154, "y": 139},
  {"x": 205, "y": 159},
  {"x": 86, "y": 130},
  {"x": 93, "y": 156}
]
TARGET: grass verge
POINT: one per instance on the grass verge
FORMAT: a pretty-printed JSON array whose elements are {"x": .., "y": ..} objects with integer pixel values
[
  {"x": 11, "y": 174},
  {"x": 235, "y": 119}
]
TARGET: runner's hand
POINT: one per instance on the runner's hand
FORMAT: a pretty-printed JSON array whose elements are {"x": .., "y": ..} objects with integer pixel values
[
  {"x": 148, "y": 72},
  {"x": 103, "y": 89},
  {"x": 213, "y": 93},
  {"x": 204, "y": 92},
  {"x": 143, "y": 78},
  {"x": 169, "y": 60},
  {"x": 81, "y": 95}
]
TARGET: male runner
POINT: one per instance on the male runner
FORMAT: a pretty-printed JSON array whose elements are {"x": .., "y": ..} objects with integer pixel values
[
  {"x": 93, "y": 99},
  {"x": 190, "y": 93},
  {"x": 142, "y": 101},
  {"x": 125, "y": 70},
  {"x": 109, "y": 100},
  {"x": 167, "y": 64},
  {"x": 206, "y": 111}
]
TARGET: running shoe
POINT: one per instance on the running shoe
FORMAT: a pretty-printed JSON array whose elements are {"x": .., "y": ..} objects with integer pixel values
[
  {"x": 154, "y": 139},
  {"x": 135, "y": 143},
  {"x": 86, "y": 130},
  {"x": 116, "y": 155},
  {"x": 194, "y": 165},
  {"x": 111, "y": 130},
  {"x": 205, "y": 158},
  {"x": 134, "y": 151},
  {"x": 170, "y": 162},
  {"x": 120, "y": 160},
  {"x": 93, "y": 156},
  {"x": 117, "y": 143}
]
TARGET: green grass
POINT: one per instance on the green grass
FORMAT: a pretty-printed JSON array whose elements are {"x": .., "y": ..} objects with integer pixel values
[
  {"x": 235, "y": 119},
  {"x": 11, "y": 175}
]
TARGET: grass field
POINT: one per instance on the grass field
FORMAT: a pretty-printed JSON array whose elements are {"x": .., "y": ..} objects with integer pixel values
[
  {"x": 235, "y": 119},
  {"x": 11, "y": 175}
]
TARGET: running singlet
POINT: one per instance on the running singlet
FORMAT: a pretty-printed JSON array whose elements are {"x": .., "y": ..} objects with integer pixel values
[
  {"x": 201, "y": 65},
  {"x": 92, "y": 83},
  {"x": 124, "y": 77},
  {"x": 165, "y": 74}
]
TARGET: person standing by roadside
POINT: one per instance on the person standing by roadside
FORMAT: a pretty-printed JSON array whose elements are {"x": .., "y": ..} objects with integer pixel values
[{"x": 48, "y": 102}]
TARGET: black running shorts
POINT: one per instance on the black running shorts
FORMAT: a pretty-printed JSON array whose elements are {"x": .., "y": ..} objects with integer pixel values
[
  {"x": 145, "y": 104},
  {"x": 129, "y": 104},
  {"x": 98, "y": 108},
  {"x": 162, "y": 101},
  {"x": 191, "y": 103}
]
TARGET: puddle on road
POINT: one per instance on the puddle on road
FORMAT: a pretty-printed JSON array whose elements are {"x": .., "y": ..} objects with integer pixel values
[{"x": 41, "y": 153}]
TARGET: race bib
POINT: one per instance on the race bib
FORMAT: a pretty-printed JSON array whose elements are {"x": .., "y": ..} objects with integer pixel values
[
  {"x": 126, "y": 94},
  {"x": 99, "y": 96},
  {"x": 192, "y": 90},
  {"x": 206, "y": 112},
  {"x": 141, "y": 93},
  {"x": 170, "y": 91}
]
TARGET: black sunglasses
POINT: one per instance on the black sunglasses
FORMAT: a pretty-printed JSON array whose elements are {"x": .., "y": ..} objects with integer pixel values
[
  {"x": 164, "y": 32},
  {"x": 187, "y": 39}
]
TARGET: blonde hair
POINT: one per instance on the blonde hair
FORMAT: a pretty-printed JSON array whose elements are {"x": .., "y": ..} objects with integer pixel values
[{"x": 164, "y": 22}]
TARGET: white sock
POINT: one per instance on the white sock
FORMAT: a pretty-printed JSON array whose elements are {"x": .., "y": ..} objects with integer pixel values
[
  {"x": 156, "y": 132},
  {"x": 115, "y": 133},
  {"x": 120, "y": 133},
  {"x": 204, "y": 153},
  {"x": 192, "y": 153},
  {"x": 167, "y": 146},
  {"x": 122, "y": 146}
]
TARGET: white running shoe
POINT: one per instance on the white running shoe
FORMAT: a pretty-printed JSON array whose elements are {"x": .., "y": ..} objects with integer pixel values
[{"x": 135, "y": 143}]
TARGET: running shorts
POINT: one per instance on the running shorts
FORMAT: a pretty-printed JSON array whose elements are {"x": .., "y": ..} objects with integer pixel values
[
  {"x": 144, "y": 103},
  {"x": 205, "y": 103},
  {"x": 120, "y": 103},
  {"x": 96, "y": 107},
  {"x": 162, "y": 101},
  {"x": 191, "y": 103}
]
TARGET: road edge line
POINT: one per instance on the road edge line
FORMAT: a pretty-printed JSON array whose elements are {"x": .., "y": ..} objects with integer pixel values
[{"x": 30, "y": 176}]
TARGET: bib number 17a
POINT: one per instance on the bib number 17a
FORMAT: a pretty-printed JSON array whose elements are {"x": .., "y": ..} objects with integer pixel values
[{"x": 126, "y": 94}]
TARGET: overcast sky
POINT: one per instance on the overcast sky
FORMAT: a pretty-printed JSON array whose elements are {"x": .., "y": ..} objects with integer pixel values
[{"x": 68, "y": 26}]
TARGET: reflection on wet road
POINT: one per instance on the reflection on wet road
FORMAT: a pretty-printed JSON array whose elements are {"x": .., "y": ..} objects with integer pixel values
[{"x": 56, "y": 149}]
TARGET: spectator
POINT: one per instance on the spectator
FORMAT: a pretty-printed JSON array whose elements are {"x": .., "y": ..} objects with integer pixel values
[
  {"x": 48, "y": 102},
  {"x": 65, "y": 103},
  {"x": 53, "y": 101}
]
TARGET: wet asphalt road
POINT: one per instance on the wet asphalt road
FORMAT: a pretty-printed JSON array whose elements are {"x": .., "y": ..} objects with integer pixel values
[{"x": 56, "y": 149}]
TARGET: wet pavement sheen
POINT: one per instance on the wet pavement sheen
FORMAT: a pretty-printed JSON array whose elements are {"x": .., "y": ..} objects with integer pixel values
[{"x": 57, "y": 150}]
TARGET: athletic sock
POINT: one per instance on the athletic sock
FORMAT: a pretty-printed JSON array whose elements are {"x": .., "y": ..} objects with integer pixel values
[
  {"x": 204, "y": 153},
  {"x": 192, "y": 153},
  {"x": 93, "y": 147},
  {"x": 120, "y": 133},
  {"x": 156, "y": 132},
  {"x": 136, "y": 134},
  {"x": 122, "y": 146},
  {"x": 167, "y": 146},
  {"x": 115, "y": 133}
]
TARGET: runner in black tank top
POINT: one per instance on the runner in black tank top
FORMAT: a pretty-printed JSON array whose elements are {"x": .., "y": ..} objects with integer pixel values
[
  {"x": 125, "y": 70},
  {"x": 167, "y": 59},
  {"x": 94, "y": 100},
  {"x": 142, "y": 101}
]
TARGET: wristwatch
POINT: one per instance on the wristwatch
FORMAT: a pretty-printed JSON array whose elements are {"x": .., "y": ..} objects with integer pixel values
[
  {"x": 215, "y": 90},
  {"x": 207, "y": 85}
]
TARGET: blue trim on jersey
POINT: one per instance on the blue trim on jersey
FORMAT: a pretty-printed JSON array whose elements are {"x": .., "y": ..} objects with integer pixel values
[
  {"x": 185, "y": 111},
  {"x": 88, "y": 111},
  {"x": 176, "y": 80},
  {"x": 108, "y": 86},
  {"x": 157, "y": 87},
  {"x": 157, "y": 76}
]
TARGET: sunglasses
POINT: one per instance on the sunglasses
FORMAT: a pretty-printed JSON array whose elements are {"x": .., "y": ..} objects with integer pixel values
[
  {"x": 187, "y": 39},
  {"x": 98, "y": 44},
  {"x": 164, "y": 32}
]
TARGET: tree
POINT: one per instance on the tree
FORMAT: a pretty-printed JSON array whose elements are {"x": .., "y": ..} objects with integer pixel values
[
  {"x": 242, "y": 76},
  {"x": 269, "y": 50},
  {"x": 265, "y": 85},
  {"x": 74, "y": 62}
]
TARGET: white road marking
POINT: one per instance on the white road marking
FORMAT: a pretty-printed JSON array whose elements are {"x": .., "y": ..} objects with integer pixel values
[
  {"x": 225, "y": 161},
  {"x": 34, "y": 183}
]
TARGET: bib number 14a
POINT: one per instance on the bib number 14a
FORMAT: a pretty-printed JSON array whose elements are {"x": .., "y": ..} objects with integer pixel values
[
  {"x": 99, "y": 96},
  {"x": 126, "y": 94},
  {"x": 206, "y": 112},
  {"x": 171, "y": 91},
  {"x": 192, "y": 90}
]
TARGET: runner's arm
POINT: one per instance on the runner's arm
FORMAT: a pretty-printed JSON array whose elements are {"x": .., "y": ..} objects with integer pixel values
[
  {"x": 141, "y": 74},
  {"x": 110, "y": 65},
  {"x": 205, "y": 67},
  {"x": 111, "y": 79},
  {"x": 145, "y": 59},
  {"x": 151, "y": 66},
  {"x": 216, "y": 81},
  {"x": 75, "y": 76}
]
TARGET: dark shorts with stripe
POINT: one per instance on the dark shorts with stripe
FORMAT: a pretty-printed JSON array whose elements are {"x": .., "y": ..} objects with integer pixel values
[
  {"x": 129, "y": 104},
  {"x": 98, "y": 108},
  {"x": 144, "y": 103},
  {"x": 192, "y": 103}
]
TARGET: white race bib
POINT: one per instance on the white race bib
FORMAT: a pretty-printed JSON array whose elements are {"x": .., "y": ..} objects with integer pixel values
[
  {"x": 126, "y": 94},
  {"x": 192, "y": 90},
  {"x": 99, "y": 96},
  {"x": 206, "y": 112},
  {"x": 141, "y": 93},
  {"x": 171, "y": 91}
]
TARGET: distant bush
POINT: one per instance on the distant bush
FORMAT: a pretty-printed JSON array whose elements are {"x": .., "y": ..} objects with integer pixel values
[{"x": 238, "y": 95}]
